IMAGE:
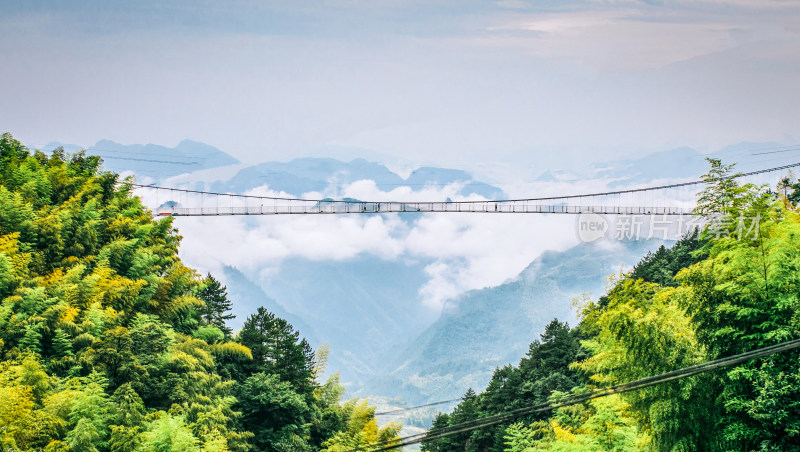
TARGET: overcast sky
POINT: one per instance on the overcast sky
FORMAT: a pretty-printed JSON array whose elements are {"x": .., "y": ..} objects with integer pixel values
[
  {"x": 456, "y": 82},
  {"x": 485, "y": 86}
]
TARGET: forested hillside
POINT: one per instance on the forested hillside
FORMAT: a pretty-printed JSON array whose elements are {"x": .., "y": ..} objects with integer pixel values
[
  {"x": 490, "y": 327},
  {"x": 733, "y": 289},
  {"x": 109, "y": 343}
]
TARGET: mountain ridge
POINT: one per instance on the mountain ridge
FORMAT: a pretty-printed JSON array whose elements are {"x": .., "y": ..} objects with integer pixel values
[{"x": 483, "y": 328}]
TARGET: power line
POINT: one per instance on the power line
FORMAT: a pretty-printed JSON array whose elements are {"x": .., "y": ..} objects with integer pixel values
[
  {"x": 162, "y": 154},
  {"x": 776, "y": 152},
  {"x": 99, "y": 151},
  {"x": 402, "y": 410},
  {"x": 462, "y": 183},
  {"x": 576, "y": 399},
  {"x": 618, "y": 389},
  {"x": 147, "y": 160}
]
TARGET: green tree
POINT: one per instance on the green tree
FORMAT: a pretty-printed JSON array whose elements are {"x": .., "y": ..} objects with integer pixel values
[
  {"x": 661, "y": 266},
  {"x": 114, "y": 355},
  {"x": 169, "y": 433},
  {"x": 362, "y": 429},
  {"x": 441, "y": 421},
  {"x": 745, "y": 296},
  {"x": 604, "y": 424},
  {"x": 93, "y": 300},
  {"x": 729, "y": 204},
  {"x": 62, "y": 345},
  {"x": 130, "y": 407},
  {"x": 632, "y": 342},
  {"x": 277, "y": 349},
  {"x": 273, "y": 411},
  {"x": 91, "y": 414},
  {"x": 217, "y": 306},
  {"x": 467, "y": 410},
  {"x": 328, "y": 416},
  {"x": 545, "y": 369}
]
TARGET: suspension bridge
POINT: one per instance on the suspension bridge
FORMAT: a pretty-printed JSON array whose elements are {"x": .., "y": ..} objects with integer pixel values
[{"x": 672, "y": 199}]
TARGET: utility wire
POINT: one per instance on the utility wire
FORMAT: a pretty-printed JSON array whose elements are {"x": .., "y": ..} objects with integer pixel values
[
  {"x": 576, "y": 399},
  {"x": 550, "y": 198},
  {"x": 794, "y": 148},
  {"x": 147, "y": 160},
  {"x": 380, "y": 184},
  {"x": 99, "y": 151},
  {"x": 402, "y": 410}
]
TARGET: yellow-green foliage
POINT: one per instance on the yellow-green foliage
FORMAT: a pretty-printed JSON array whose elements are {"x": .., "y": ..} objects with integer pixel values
[
  {"x": 231, "y": 349},
  {"x": 601, "y": 424},
  {"x": 106, "y": 343},
  {"x": 362, "y": 429},
  {"x": 740, "y": 292},
  {"x": 94, "y": 300}
]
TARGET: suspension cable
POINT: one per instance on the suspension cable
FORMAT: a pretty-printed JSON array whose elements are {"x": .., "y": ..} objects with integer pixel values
[{"x": 547, "y": 198}]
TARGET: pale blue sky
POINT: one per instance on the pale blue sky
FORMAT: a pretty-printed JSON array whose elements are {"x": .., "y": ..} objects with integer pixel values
[{"x": 459, "y": 83}]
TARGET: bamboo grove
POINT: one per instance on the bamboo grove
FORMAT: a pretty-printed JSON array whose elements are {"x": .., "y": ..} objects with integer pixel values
[
  {"x": 730, "y": 289},
  {"x": 110, "y": 343}
]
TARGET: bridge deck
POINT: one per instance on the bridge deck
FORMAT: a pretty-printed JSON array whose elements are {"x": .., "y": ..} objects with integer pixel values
[{"x": 416, "y": 207}]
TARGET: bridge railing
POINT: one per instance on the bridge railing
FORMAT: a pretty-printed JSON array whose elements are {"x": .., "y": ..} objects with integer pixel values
[{"x": 410, "y": 207}]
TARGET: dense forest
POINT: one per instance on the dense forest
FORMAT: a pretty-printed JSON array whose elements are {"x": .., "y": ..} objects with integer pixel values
[
  {"x": 731, "y": 289},
  {"x": 110, "y": 343}
]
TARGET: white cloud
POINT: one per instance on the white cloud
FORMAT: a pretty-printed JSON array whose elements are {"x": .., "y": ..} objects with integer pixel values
[
  {"x": 612, "y": 39},
  {"x": 632, "y": 35},
  {"x": 472, "y": 251},
  {"x": 568, "y": 87},
  {"x": 266, "y": 241},
  {"x": 338, "y": 238},
  {"x": 368, "y": 190},
  {"x": 468, "y": 251},
  {"x": 529, "y": 90},
  {"x": 512, "y": 4},
  {"x": 442, "y": 284}
]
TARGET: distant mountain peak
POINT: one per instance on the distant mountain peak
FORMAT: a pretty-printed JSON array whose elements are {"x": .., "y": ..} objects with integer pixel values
[{"x": 320, "y": 174}]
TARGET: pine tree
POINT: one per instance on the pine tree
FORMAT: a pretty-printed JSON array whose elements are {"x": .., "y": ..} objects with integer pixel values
[
  {"x": 278, "y": 349},
  {"x": 215, "y": 296}
]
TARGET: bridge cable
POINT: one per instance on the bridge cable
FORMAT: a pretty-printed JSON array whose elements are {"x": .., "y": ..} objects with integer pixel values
[{"x": 617, "y": 192}]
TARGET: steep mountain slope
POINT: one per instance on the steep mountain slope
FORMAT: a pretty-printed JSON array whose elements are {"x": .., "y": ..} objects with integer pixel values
[
  {"x": 247, "y": 297},
  {"x": 689, "y": 163},
  {"x": 675, "y": 163},
  {"x": 492, "y": 327},
  {"x": 365, "y": 307}
]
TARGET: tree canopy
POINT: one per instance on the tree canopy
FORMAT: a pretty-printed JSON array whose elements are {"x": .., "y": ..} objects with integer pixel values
[
  {"x": 108, "y": 342},
  {"x": 712, "y": 294}
]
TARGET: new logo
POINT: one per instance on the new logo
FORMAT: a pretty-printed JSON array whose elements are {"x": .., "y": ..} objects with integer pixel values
[{"x": 591, "y": 227}]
